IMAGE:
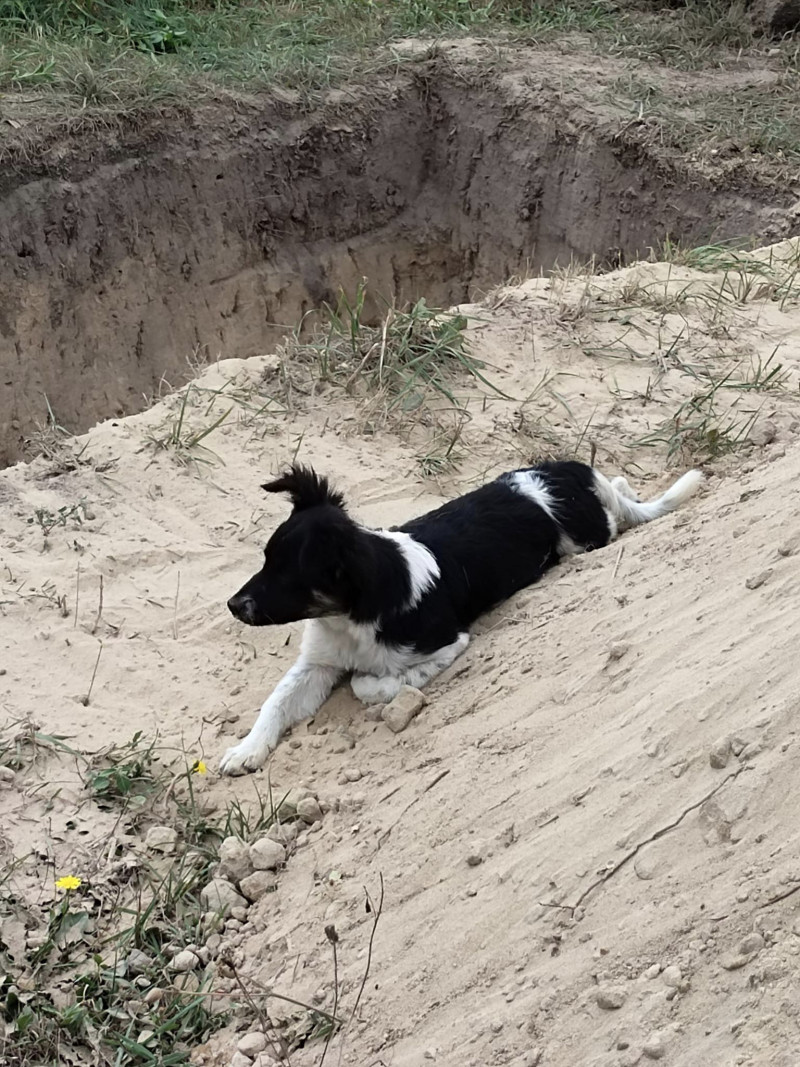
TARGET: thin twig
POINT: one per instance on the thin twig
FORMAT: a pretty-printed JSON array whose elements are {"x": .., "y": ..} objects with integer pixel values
[
  {"x": 648, "y": 840},
  {"x": 175, "y": 609},
  {"x": 99, "y": 607},
  {"x": 77, "y": 594},
  {"x": 88, "y": 696},
  {"x": 377, "y": 916},
  {"x": 781, "y": 896},
  {"x": 620, "y": 554},
  {"x": 278, "y": 1045},
  {"x": 333, "y": 937},
  {"x": 407, "y": 808}
]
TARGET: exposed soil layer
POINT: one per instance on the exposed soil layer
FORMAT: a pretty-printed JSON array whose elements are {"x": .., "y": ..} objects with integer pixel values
[{"x": 210, "y": 232}]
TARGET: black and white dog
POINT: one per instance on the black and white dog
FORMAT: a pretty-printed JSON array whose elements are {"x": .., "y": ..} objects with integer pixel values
[{"x": 394, "y": 607}]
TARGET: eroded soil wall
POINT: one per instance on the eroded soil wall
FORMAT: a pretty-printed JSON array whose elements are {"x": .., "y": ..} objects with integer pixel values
[{"x": 126, "y": 253}]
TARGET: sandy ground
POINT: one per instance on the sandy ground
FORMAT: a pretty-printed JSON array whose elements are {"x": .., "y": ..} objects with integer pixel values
[{"x": 589, "y": 837}]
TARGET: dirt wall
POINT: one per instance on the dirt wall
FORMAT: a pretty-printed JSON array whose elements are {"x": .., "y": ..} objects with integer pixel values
[{"x": 127, "y": 252}]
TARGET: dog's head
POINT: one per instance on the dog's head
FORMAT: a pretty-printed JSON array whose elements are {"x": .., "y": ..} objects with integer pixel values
[{"x": 309, "y": 562}]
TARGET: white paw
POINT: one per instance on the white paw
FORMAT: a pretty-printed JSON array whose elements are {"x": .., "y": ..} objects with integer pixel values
[
  {"x": 248, "y": 755},
  {"x": 372, "y": 690}
]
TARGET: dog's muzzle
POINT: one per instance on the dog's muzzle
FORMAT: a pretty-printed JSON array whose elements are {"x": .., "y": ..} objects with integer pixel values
[{"x": 243, "y": 608}]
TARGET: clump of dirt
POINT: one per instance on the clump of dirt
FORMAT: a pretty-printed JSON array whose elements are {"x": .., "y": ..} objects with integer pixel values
[
  {"x": 135, "y": 252},
  {"x": 579, "y": 852}
]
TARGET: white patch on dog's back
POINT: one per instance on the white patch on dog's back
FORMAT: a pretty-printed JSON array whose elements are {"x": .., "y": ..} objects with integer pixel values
[
  {"x": 423, "y": 570},
  {"x": 534, "y": 487}
]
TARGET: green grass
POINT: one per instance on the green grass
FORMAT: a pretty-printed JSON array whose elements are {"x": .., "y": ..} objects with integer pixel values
[
  {"x": 110, "y": 53},
  {"x": 75, "y": 995}
]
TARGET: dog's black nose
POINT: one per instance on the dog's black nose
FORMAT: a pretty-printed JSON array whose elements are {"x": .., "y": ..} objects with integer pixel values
[{"x": 243, "y": 607}]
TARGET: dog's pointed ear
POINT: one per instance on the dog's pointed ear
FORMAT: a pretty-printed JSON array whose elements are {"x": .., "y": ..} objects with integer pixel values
[{"x": 305, "y": 487}]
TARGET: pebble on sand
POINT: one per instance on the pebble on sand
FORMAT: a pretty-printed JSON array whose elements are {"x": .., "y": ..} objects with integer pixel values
[
  {"x": 406, "y": 705},
  {"x": 255, "y": 885},
  {"x": 610, "y": 998},
  {"x": 267, "y": 855},
  {"x": 654, "y": 1047},
  {"x": 251, "y": 1044},
  {"x": 220, "y": 896}
]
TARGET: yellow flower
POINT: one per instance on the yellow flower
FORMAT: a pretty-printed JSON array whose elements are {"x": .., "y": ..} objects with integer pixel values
[
  {"x": 198, "y": 767},
  {"x": 69, "y": 881}
]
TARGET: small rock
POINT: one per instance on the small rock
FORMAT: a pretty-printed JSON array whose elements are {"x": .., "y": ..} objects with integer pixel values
[
  {"x": 240, "y": 1060},
  {"x": 757, "y": 580},
  {"x": 610, "y": 998},
  {"x": 373, "y": 712},
  {"x": 309, "y": 810},
  {"x": 720, "y": 753},
  {"x": 764, "y": 434},
  {"x": 239, "y": 914},
  {"x": 264, "y": 1059},
  {"x": 750, "y": 945},
  {"x": 258, "y": 883},
  {"x": 474, "y": 859},
  {"x": 152, "y": 996},
  {"x": 267, "y": 855},
  {"x": 352, "y": 774},
  {"x": 791, "y": 546},
  {"x": 220, "y": 896},
  {"x": 184, "y": 961},
  {"x": 672, "y": 976},
  {"x": 732, "y": 961},
  {"x": 654, "y": 1047},
  {"x": 234, "y": 859},
  {"x": 251, "y": 1044},
  {"x": 138, "y": 962},
  {"x": 406, "y": 705},
  {"x": 341, "y": 742},
  {"x": 6, "y": 774},
  {"x": 653, "y": 971},
  {"x": 287, "y": 808},
  {"x": 283, "y": 832},
  {"x": 161, "y": 839}
]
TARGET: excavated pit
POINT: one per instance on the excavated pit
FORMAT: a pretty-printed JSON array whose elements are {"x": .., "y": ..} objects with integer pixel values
[{"x": 129, "y": 249}]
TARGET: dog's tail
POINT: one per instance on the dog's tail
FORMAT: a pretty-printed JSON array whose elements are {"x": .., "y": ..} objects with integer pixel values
[{"x": 618, "y": 497}]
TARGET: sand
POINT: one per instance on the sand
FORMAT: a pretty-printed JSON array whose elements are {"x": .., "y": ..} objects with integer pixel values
[{"x": 589, "y": 836}]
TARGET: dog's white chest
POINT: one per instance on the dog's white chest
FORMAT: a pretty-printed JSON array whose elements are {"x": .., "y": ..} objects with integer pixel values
[{"x": 338, "y": 642}]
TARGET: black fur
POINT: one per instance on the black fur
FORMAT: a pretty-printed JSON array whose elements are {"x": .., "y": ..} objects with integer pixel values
[{"x": 488, "y": 544}]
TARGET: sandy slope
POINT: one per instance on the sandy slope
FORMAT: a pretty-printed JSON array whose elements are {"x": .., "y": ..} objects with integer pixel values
[{"x": 567, "y": 755}]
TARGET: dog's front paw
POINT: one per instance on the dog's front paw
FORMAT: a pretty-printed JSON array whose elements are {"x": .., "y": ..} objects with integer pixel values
[
  {"x": 247, "y": 756},
  {"x": 372, "y": 690}
]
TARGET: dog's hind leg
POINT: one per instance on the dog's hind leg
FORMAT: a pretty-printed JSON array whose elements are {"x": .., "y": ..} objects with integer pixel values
[
  {"x": 623, "y": 487},
  {"x": 298, "y": 696},
  {"x": 371, "y": 689},
  {"x": 623, "y": 509}
]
